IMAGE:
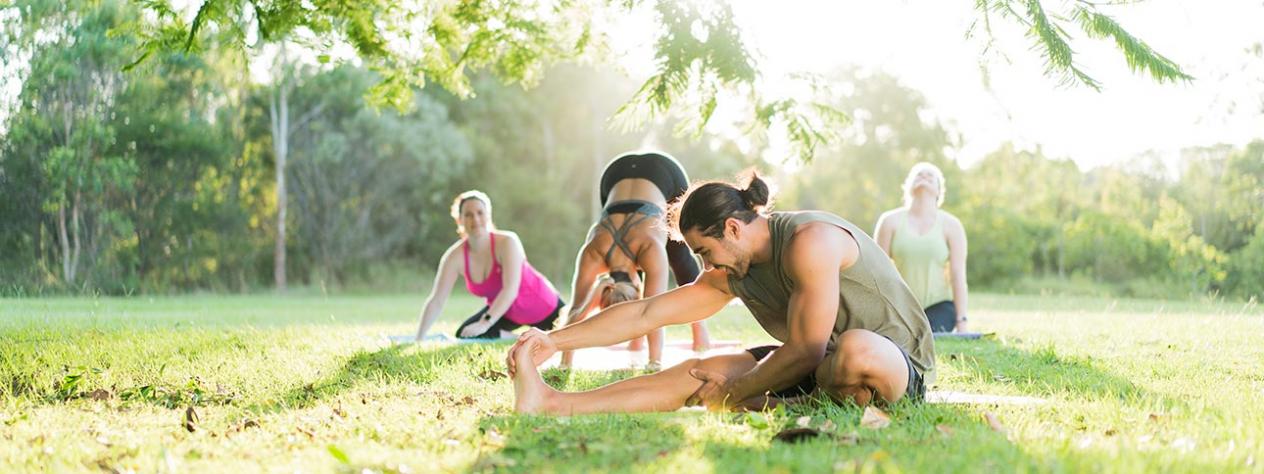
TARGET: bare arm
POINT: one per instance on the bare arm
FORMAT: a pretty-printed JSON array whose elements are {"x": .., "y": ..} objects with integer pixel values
[
  {"x": 957, "y": 250},
  {"x": 816, "y": 256},
  {"x": 511, "y": 257},
  {"x": 885, "y": 231},
  {"x": 445, "y": 278},
  {"x": 630, "y": 319},
  {"x": 588, "y": 265}
]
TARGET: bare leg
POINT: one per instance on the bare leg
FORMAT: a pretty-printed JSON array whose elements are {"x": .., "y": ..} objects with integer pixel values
[
  {"x": 701, "y": 339},
  {"x": 865, "y": 364},
  {"x": 655, "y": 338},
  {"x": 662, "y": 391}
]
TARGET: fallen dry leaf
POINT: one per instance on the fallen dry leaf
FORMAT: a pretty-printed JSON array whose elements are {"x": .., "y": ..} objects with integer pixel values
[
  {"x": 1155, "y": 417},
  {"x": 190, "y": 420},
  {"x": 874, "y": 418},
  {"x": 492, "y": 375},
  {"x": 828, "y": 425},
  {"x": 100, "y": 394},
  {"x": 247, "y": 424},
  {"x": 1111, "y": 432},
  {"x": 945, "y": 429},
  {"x": 993, "y": 422},
  {"x": 803, "y": 421},
  {"x": 795, "y": 435},
  {"x": 468, "y": 400},
  {"x": 309, "y": 434}
]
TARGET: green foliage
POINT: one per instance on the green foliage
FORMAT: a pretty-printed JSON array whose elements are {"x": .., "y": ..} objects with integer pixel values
[
  {"x": 699, "y": 48},
  {"x": 1246, "y": 269},
  {"x": 1048, "y": 34}
]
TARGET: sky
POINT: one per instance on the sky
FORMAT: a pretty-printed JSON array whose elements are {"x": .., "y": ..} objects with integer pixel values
[{"x": 924, "y": 44}]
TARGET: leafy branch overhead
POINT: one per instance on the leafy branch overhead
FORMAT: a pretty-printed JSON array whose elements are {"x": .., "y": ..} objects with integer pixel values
[
  {"x": 1049, "y": 35},
  {"x": 699, "y": 52}
]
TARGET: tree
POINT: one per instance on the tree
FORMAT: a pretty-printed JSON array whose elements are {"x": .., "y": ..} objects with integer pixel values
[
  {"x": 699, "y": 48},
  {"x": 63, "y": 124},
  {"x": 362, "y": 179}
]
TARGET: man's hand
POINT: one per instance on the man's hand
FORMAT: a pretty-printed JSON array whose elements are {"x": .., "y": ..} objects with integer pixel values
[
  {"x": 714, "y": 392},
  {"x": 537, "y": 343},
  {"x": 961, "y": 325}
]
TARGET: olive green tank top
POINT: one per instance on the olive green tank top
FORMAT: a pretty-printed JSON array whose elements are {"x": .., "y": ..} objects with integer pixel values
[
  {"x": 922, "y": 260},
  {"x": 871, "y": 293}
]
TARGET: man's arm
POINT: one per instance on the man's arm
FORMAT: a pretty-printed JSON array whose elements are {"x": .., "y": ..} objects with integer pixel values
[
  {"x": 630, "y": 319},
  {"x": 815, "y": 257}
]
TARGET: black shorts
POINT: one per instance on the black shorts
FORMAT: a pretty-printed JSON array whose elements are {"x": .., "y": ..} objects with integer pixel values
[
  {"x": 504, "y": 324},
  {"x": 916, "y": 389},
  {"x": 662, "y": 170},
  {"x": 942, "y": 316}
]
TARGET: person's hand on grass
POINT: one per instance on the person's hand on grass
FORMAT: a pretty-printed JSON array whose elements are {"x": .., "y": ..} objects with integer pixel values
[
  {"x": 538, "y": 344},
  {"x": 474, "y": 329},
  {"x": 714, "y": 392},
  {"x": 961, "y": 325}
]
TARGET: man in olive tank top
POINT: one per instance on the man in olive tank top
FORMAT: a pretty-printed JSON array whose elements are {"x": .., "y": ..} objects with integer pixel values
[{"x": 848, "y": 324}]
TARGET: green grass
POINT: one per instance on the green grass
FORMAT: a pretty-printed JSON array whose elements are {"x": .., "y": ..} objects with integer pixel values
[{"x": 303, "y": 384}]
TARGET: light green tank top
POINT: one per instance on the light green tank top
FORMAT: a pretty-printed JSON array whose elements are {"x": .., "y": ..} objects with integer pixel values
[
  {"x": 922, "y": 260},
  {"x": 871, "y": 294}
]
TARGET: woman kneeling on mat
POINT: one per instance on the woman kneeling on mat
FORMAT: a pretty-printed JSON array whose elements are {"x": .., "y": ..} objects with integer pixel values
[
  {"x": 517, "y": 295},
  {"x": 629, "y": 241},
  {"x": 928, "y": 246}
]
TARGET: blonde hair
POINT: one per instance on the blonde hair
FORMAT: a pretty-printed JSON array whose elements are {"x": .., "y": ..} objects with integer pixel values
[
  {"x": 918, "y": 168},
  {"x": 618, "y": 292},
  {"x": 466, "y": 196}
]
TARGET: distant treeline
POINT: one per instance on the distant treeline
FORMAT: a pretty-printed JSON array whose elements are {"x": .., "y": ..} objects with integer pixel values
[{"x": 163, "y": 178}]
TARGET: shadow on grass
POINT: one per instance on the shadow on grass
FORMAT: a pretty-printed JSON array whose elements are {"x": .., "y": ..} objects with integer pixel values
[
  {"x": 923, "y": 437},
  {"x": 739, "y": 442},
  {"x": 1041, "y": 372},
  {"x": 398, "y": 364}
]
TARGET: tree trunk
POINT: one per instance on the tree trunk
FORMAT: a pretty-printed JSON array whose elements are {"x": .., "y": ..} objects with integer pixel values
[
  {"x": 76, "y": 222},
  {"x": 280, "y": 115},
  {"x": 63, "y": 239}
]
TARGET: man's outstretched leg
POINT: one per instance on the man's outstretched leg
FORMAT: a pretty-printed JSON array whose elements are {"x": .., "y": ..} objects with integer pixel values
[{"x": 662, "y": 391}]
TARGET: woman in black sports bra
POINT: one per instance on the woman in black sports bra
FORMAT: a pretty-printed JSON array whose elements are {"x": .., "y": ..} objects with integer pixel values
[{"x": 627, "y": 254}]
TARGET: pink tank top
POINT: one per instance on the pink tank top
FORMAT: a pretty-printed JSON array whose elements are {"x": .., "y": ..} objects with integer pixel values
[{"x": 536, "y": 298}]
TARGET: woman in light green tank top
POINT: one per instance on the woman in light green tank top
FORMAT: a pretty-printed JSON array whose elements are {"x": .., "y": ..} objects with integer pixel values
[{"x": 928, "y": 246}]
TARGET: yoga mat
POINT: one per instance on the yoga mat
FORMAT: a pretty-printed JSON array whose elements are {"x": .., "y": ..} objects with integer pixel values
[
  {"x": 441, "y": 339},
  {"x": 958, "y": 335}
]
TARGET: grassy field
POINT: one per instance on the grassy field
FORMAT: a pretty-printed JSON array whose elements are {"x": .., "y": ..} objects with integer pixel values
[{"x": 262, "y": 383}]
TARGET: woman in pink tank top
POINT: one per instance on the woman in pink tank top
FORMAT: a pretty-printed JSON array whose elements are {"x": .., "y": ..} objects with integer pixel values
[{"x": 495, "y": 267}]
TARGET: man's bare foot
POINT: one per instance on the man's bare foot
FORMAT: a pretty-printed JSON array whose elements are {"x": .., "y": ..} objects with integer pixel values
[{"x": 531, "y": 394}]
